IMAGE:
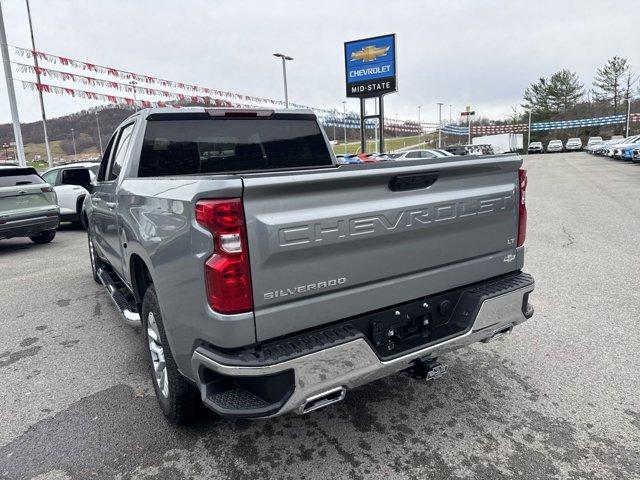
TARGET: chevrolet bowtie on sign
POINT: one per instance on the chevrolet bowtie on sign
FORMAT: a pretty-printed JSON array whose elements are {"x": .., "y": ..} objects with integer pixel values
[{"x": 370, "y": 66}]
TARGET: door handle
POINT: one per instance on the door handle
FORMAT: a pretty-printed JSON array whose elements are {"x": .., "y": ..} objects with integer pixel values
[{"x": 110, "y": 205}]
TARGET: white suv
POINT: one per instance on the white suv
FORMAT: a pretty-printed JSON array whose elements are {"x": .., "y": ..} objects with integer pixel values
[
  {"x": 574, "y": 144},
  {"x": 71, "y": 182},
  {"x": 554, "y": 146}
]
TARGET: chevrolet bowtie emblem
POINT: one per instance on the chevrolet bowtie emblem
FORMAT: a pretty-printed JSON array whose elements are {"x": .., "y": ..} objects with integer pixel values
[{"x": 370, "y": 53}]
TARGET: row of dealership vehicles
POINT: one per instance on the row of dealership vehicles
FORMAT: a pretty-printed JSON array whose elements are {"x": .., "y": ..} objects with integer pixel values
[
  {"x": 554, "y": 146},
  {"x": 619, "y": 148}
]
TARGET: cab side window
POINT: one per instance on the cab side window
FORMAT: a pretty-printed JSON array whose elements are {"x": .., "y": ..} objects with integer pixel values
[
  {"x": 121, "y": 151},
  {"x": 102, "y": 172}
]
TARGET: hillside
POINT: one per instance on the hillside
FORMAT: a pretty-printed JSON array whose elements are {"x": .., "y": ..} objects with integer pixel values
[{"x": 59, "y": 129}]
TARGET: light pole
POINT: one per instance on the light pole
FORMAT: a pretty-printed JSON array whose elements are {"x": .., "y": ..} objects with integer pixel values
[
  {"x": 35, "y": 64},
  {"x": 133, "y": 84},
  {"x": 450, "y": 116},
  {"x": 440, "y": 124},
  {"x": 15, "y": 119},
  {"x": 419, "y": 125},
  {"x": 75, "y": 152},
  {"x": 344, "y": 123},
  {"x": 284, "y": 75},
  {"x": 628, "y": 112},
  {"x": 99, "y": 137},
  {"x": 529, "y": 132},
  {"x": 396, "y": 129}
]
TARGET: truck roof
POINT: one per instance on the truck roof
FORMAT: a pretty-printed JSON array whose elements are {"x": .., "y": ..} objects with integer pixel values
[{"x": 145, "y": 112}]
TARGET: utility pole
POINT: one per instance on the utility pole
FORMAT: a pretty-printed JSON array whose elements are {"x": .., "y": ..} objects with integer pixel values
[
  {"x": 99, "y": 137},
  {"x": 397, "y": 125},
  {"x": 529, "y": 133},
  {"x": 440, "y": 124},
  {"x": 419, "y": 126},
  {"x": 75, "y": 152},
  {"x": 284, "y": 75},
  {"x": 17, "y": 132},
  {"x": 450, "y": 116},
  {"x": 344, "y": 123},
  {"x": 35, "y": 64}
]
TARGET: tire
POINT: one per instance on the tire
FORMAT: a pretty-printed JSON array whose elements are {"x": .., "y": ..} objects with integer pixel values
[
  {"x": 43, "y": 237},
  {"x": 96, "y": 262},
  {"x": 179, "y": 400}
]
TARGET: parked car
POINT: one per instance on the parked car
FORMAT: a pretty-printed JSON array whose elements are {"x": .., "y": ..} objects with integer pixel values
[
  {"x": 573, "y": 144},
  {"x": 443, "y": 152},
  {"x": 414, "y": 154},
  {"x": 615, "y": 151},
  {"x": 260, "y": 273},
  {"x": 594, "y": 141},
  {"x": 479, "y": 149},
  {"x": 535, "y": 147},
  {"x": 348, "y": 159},
  {"x": 626, "y": 152},
  {"x": 554, "y": 146},
  {"x": 636, "y": 155},
  {"x": 604, "y": 147},
  {"x": 456, "y": 149},
  {"x": 72, "y": 183},
  {"x": 28, "y": 205}
]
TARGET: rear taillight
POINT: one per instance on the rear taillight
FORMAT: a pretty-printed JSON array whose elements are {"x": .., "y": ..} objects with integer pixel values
[
  {"x": 522, "y": 210},
  {"x": 227, "y": 274}
]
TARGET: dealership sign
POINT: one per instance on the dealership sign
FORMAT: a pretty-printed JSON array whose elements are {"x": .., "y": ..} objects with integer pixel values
[{"x": 370, "y": 66}]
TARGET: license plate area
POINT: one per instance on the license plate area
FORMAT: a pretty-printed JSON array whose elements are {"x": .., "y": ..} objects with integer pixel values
[{"x": 408, "y": 326}]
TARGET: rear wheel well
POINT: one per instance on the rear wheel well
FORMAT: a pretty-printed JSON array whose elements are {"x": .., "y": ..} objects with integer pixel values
[
  {"x": 140, "y": 278},
  {"x": 79, "y": 203}
]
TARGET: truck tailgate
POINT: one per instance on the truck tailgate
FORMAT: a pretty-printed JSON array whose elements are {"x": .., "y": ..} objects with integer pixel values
[{"x": 331, "y": 244}]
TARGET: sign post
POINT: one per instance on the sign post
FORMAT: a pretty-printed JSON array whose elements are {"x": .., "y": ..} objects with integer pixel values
[
  {"x": 468, "y": 113},
  {"x": 370, "y": 70}
]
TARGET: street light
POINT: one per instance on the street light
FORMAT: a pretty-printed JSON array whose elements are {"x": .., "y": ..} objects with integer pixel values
[
  {"x": 133, "y": 84},
  {"x": 37, "y": 69},
  {"x": 284, "y": 75},
  {"x": 440, "y": 124},
  {"x": 344, "y": 123}
]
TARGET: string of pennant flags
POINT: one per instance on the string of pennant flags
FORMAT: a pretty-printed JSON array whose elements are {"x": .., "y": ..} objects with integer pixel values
[
  {"x": 157, "y": 87},
  {"x": 148, "y": 79},
  {"x": 74, "y": 92},
  {"x": 328, "y": 117}
]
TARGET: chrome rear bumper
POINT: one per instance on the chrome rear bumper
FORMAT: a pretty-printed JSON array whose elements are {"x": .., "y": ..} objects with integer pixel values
[{"x": 355, "y": 363}]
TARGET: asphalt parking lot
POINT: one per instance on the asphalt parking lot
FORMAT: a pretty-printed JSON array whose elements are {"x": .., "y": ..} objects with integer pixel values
[{"x": 559, "y": 398}]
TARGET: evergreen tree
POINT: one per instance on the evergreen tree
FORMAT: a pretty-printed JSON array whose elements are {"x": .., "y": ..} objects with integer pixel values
[
  {"x": 564, "y": 91},
  {"x": 609, "y": 82},
  {"x": 536, "y": 97}
]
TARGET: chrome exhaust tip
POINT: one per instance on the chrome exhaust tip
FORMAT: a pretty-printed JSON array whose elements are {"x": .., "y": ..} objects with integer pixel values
[
  {"x": 323, "y": 399},
  {"x": 498, "y": 333}
]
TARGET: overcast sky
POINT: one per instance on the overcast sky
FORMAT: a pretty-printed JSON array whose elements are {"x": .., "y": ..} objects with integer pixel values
[{"x": 481, "y": 53}]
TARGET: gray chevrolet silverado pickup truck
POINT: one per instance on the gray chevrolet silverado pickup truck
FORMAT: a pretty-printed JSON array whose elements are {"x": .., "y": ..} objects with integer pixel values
[{"x": 269, "y": 279}]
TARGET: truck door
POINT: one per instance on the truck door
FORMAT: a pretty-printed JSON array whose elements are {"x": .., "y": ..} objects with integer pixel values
[{"x": 104, "y": 200}]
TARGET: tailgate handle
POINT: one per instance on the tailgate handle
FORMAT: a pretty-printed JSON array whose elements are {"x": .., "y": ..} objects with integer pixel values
[{"x": 412, "y": 181}]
